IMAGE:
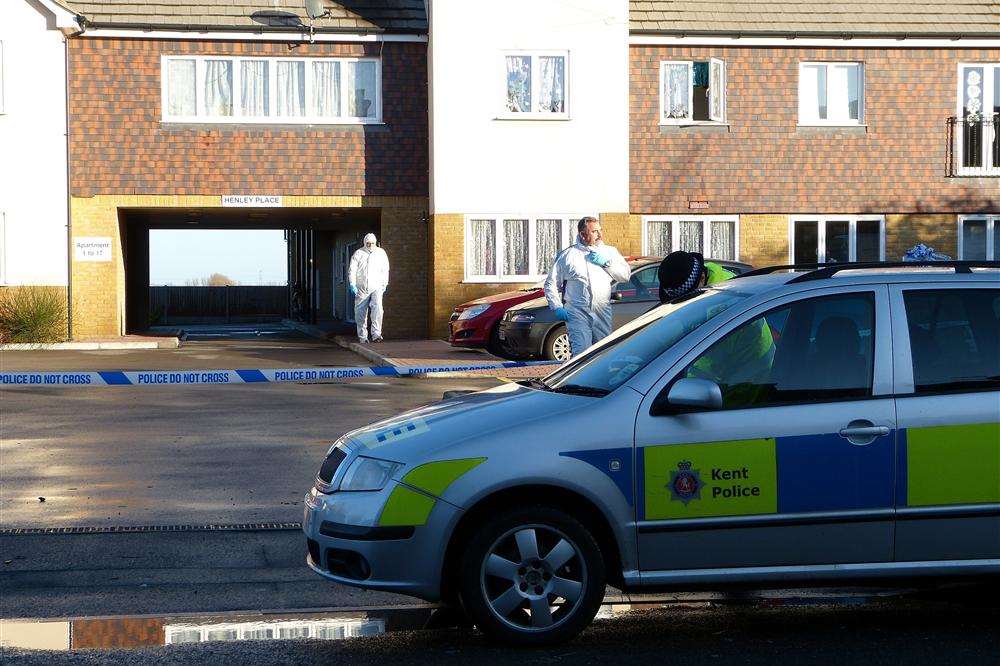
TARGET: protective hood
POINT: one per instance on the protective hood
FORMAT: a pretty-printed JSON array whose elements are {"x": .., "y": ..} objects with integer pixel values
[{"x": 370, "y": 238}]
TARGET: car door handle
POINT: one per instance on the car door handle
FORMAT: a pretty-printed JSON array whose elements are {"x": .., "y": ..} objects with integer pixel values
[{"x": 865, "y": 431}]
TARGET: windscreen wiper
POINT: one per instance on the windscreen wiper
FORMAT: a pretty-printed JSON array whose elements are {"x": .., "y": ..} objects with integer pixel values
[
  {"x": 578, "y": 389},
  {"x": 535, "y": 384}
]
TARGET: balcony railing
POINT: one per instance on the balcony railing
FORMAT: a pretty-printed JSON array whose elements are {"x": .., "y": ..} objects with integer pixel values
[{"x": 974, "y": 146}]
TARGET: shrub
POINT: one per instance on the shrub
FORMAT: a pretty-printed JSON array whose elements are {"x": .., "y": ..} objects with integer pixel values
[{"x": 32, "y": 314}]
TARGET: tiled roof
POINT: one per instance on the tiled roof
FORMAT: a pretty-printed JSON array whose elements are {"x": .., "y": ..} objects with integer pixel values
[
  {"x": 858, "y": 17},
  {"x": 350, "y": 15}
]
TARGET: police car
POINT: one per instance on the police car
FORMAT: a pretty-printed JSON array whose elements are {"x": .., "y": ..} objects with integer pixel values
[{"x": 851, "y": 436}]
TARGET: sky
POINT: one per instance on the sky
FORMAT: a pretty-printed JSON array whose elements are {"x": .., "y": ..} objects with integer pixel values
[{"x": 247, "y": 256}]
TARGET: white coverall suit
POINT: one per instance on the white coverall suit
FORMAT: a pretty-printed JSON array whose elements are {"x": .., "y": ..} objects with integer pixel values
[
  {"x": 369, "y": 275},
  {"x": 584, "y": 289}
]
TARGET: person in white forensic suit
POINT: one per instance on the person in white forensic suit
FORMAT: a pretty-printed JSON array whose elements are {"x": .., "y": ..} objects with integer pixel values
[
  {"x": 368, "y": 279},
  {"x": 579, "y": 284}
]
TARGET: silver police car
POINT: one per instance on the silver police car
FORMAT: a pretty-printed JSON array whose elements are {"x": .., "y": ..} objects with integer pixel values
[{"x": 787, "y": 427}]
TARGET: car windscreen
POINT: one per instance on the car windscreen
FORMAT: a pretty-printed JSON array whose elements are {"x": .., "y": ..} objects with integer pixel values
[{"x": 610, "y": 363}]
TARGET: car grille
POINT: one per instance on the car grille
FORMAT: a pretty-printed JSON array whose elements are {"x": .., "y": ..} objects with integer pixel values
[{"x": 330, "y": 465}]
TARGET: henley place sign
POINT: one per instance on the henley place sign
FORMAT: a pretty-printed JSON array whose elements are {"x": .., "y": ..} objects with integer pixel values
[{"x": 251, "y": 201}]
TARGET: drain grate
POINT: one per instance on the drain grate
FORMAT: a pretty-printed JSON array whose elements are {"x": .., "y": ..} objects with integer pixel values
[{"x": 116, "y": 529}]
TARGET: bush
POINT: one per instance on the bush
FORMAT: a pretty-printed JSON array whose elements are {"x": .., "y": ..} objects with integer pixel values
[{"x": 32, "y": 314}]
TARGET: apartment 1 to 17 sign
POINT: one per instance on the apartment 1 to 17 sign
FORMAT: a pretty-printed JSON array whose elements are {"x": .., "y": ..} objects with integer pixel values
[
  {"x": 92, "y": 248},
  {"x": 251, "y": 201}
]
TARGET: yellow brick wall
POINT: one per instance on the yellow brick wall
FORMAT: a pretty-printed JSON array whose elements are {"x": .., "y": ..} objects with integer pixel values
[
  {"x": 764, "y": 240},
  {"x": 903, "y": 231},
  {"x": 99, "y": 288},
  {"x": 447, "y": 240}
]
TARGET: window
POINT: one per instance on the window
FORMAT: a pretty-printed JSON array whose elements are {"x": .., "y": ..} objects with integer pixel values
[
  {"x": 643, "y": 286},
  {"x": 536, "y": 84},
  {"x": 831, "y": 93},
  {"x": 979, "y": 237},
  {"x": 817, "y": 349},
  {"x": 977, "y": 136},
  {"x": 692, "y": 91},
  {"x": 716, "y": 237},
  {"x": 837, "y": 239},
  {"x": 954, "y": 339},
  {"x": 514, "y": 248},
  {"x": 271, "y": 90}
]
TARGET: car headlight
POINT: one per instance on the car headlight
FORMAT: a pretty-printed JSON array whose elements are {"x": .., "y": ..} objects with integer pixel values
[
  {"x": 474, "y": 311},
  {"x": 522, "y": 316},
  {"x": 368, "y": 474}
]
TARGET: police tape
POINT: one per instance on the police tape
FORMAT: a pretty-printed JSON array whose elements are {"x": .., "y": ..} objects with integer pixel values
[{"x": 247, "y": 376}]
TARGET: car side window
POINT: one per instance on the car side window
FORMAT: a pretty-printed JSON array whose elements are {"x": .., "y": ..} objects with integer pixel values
[
  {"x": 816, "y": 349},
  {"x": 643, "y": 286},
  {"x": 954, "y": 339}
]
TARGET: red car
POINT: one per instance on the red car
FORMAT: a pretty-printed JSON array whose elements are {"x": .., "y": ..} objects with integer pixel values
[{"x": 475, "y": 324}]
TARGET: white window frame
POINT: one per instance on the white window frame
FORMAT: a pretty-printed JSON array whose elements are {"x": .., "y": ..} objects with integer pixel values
[
  {"x": 706, "y": 232},
  {"x": 992, "y": 222},
  {"x": 821, "y": 220},
  {"x": 534, "y": 54},
  {"x": 3, "y": 98},
  {"x": 846, "y": 122},
  {"x": 988, "y": 94},
  {"x": 689, "y": 118},
  {"x": 272, "y": 118},
  {"x": 569, "y": 233}
]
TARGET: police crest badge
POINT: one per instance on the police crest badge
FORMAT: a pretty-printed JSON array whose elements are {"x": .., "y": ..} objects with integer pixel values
[{"x": 685, "y": 483}]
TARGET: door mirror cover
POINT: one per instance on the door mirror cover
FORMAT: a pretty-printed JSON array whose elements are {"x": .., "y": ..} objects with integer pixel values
[{"x": 689, "y": 394}]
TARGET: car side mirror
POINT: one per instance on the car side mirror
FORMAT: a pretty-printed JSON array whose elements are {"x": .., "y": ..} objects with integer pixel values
[
  {"x": 686, "y": 395},
  {"x": 616, "y": 296}
]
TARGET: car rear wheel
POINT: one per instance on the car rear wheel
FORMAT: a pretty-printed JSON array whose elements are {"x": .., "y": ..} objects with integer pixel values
[
  {"x": 532, "y": 576},
  {"x": 556, "y": 347}
]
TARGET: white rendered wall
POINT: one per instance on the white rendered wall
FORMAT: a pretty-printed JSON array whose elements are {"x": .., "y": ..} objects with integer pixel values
[
  {"x": 480, "y": 164},
  {"x": 32, "y": 147}
]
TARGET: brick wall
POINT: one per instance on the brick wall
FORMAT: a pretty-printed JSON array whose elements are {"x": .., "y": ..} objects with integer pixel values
[
  {"x": 764, "y": 163},
  {"x": 120, "y": 146}
]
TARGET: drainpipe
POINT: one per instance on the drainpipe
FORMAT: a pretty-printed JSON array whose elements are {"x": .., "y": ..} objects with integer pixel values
[{"x": 69, "y": 200}]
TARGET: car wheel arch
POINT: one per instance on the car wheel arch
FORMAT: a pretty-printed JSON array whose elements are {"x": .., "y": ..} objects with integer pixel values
[
  {"x": 574, "y": 503},
  {"x": 552, "y": 334}
]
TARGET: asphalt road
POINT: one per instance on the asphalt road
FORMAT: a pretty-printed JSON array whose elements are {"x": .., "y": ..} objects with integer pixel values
[{"x": 892, "y": 632}]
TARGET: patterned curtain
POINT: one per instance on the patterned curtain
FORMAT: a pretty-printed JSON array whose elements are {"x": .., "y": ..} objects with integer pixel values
[
  {"x": 291, "y": 88},
  {"x": 361, "y": 89},
  {"x": 219, "y": 88},
  {"x": 723, "y": 240},
  {"x": 552, "y": 71},
  {"x": 692, "y": 237},
  {"x": 676, "y": 91},
  {"x": 658, "y": 238},
  {"x": 519, "y": 84},
  {"x": 326, "y": 89},
  {"x": 181, "y": 88},
  {"x": 547, "y": 236},
  {"x": 515, "y": 247},
  {"x": 483, "y": 247},
  {"x": 253, "y": 87}
]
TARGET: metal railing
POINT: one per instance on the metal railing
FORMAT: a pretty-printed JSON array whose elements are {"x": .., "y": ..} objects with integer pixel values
[{"x": 974, "y": 146}]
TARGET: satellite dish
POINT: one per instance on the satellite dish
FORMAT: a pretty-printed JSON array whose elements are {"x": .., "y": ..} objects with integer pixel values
[{"x": 315, "y": 9}]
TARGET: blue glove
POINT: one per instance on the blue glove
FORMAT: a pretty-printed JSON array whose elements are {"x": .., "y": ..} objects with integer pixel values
[
  {"x": 561, "y": 314},
  {"x": 354, "y": 290},
  {"x": 598, "y": 258}
]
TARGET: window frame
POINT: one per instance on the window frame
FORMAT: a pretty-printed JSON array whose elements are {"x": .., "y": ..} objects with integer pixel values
[
  {"x": 822, "y": 221},
  {"x": 689, "y": 118},
  {"x": 706, "y": 231},
  {"x": 992, "y": 222},
  {"x": 567, "y": 238},
  {"x": 3, "y": 79},
  {"x": 988, "y": 92},
  {"x": 862, "y": 119},
  {"x": 272, "y": 119},
  {"x": 534, "y": 114}
]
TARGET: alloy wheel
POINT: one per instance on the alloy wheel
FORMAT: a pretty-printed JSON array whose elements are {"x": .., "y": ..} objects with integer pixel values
[{"x": 560, "y": 347}]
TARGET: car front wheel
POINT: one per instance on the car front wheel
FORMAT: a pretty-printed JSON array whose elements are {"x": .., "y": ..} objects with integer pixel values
[
  {"x": 556, "y": 347},
  {"x": 532, "y": 576}
]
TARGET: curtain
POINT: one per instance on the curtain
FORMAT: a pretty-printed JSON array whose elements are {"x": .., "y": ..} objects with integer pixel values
[
  {"x": 326, "y": 89},
  {"x": 181, "y": 88},
  {"x": 812, "y": 93},
  {"x": 219, "y": 87},
  {"x": 515, "y": 247},
  {"x": 676, "y": 91},
  {"x": 254, "y": 87},
  {"x": 291, "y": 88},
  {"x": 547, "y": 245},
  {"x": 483, "y": 247},
  {"x": 552, "y": 93},
  {"x": 519, "y": 84},
  {"x": 361, "y": 89},
  {"x": 723, "y": 240},
  {"x": 658, "y": 238},
  {"x": 692, "y": 236},
  {"x": 974, "y": 239}
]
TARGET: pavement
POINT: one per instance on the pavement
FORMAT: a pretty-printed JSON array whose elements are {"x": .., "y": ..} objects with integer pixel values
[{"x": 164, "y": 340}]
